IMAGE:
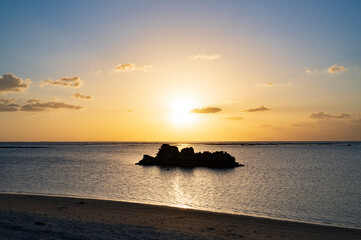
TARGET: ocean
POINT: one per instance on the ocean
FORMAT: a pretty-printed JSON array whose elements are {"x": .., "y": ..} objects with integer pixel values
[{"x": 316, "y": 182}]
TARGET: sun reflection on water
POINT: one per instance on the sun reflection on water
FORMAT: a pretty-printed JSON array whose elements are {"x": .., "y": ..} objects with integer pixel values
[{"x": 181, "y": 198}]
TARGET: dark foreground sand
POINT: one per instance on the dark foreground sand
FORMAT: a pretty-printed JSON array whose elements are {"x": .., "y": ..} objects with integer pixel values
[{"x": 48, "y": 217}]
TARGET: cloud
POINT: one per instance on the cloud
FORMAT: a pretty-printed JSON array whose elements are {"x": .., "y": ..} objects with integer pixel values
[
  {"x": 259, "y": 109},
  {"x": 234, "y": 118},
  {"x": 130, "y": 67},
  {"x": 34, "y": 105},
  {"x": 309, "y": 70},
  {"x": 322, "y": 115},
  {"x": 64, "y": 81},
  {"x": 145, "y": 68},
  {"x": 37, "y": 105},
  {"x": 206, "y": 110},
  {"x": 335, "y": 69},
  {"x": 79, "y": 95},
  {"x": 10, "y": 83},
  {"x": 8, "y": 105},
  {"x": 204, "y": 57}
]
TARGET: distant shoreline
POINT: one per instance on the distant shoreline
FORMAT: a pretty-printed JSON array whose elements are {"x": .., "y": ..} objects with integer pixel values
[
  {"x": 73, "y": 211},
  {"x": 9, "y": 144}
]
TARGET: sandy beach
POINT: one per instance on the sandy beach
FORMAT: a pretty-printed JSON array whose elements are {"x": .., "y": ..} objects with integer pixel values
[{"x": 49, "y": 217}]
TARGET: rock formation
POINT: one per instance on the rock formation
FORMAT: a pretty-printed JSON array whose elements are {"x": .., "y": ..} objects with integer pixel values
[{"x": 170, "y": 156}]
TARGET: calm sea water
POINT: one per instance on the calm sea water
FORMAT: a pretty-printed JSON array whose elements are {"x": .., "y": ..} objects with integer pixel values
[{"x": 309, "y": 182}]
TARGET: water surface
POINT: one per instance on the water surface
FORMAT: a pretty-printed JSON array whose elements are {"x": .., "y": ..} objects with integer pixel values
[{"x": 309, "y": 182}]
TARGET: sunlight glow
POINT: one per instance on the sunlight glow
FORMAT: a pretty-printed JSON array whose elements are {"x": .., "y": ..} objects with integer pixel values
[{"x": 180, "y": 111}]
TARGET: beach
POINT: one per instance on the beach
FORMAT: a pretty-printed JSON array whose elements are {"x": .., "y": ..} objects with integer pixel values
[{"x": 24, "y": 216}]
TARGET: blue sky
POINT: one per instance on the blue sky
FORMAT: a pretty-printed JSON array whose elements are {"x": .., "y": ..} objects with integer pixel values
[{"x": 36, "y": 32}]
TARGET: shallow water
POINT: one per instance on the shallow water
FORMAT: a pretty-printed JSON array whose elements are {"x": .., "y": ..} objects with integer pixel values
[{"x": 309, "y": 182}]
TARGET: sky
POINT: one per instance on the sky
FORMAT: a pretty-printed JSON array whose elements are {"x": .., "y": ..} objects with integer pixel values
[{"x": 180, "y": 70}]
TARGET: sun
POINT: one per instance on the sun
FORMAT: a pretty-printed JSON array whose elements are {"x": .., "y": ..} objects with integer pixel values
[{"x": 180, "y": 111}]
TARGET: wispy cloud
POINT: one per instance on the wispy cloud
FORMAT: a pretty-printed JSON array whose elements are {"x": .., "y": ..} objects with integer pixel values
[
  {"x": 64, "y": 81},
  {"x": 38, "y": 105},
  {"x": 145, "y": 68},
  {"x": 10, "y": 83},
  {"x": 310, "y": 70},
  {"x": 336, "y": 68},
  {"x": 206, "y": 110},
  {"x": 333, "y": 69},
  {"x": 258, "y": 109},
  {"x": 204, "y": 57},
  {"x": 130, "y": 67},
  {"x": 8, "y": 105},
  {"x": 34, "y": 105},
  {"x": 79, "y": 95},
  {"x": 322, "y": 115}
]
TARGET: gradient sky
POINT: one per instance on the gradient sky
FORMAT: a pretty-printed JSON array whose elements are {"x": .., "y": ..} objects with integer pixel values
[{"x": 180, "y": 70}]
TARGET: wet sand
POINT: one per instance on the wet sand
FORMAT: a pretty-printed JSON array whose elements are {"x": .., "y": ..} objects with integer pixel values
[{"x": 50, "y": 217}]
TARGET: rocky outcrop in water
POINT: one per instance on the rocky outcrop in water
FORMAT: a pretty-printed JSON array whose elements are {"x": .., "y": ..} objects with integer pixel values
[{"x": 170, "y": 156}]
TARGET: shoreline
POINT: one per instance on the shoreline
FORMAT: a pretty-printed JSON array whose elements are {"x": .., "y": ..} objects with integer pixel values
[
  {"x": 138, "y": 220},
  {"x": 265, "y": 217}
]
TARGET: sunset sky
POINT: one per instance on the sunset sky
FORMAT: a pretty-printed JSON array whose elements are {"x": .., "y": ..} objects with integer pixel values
[{"x": 180, "y": 70}]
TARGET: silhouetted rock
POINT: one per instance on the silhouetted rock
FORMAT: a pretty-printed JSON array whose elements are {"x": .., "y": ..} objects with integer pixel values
[
  {"x": 147, "y": 160},
  {"x": 170, "y": 156}
]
